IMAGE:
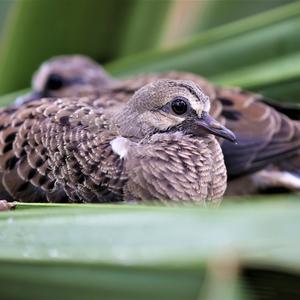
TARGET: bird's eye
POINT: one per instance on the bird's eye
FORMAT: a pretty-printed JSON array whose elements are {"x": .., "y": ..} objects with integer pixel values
[
  {"x": 179, "y": 106},
  {"x": 54, "y": 82}
]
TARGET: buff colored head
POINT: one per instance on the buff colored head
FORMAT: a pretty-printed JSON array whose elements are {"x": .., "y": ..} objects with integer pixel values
[{"x": 169, "y": 106}]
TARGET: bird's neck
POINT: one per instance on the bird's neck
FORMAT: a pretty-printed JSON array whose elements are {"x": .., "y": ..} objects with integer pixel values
[{"x": 127, "y": 122}]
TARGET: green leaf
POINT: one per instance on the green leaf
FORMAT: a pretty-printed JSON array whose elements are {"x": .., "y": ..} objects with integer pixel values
[
  {"x": 37, "y": 30},
  {"x": 247, "y": 52},
  {"x": 119, "y": 223},
  {"x": 58, "y": 280},
  {"x": 5, "y": 6},
  {"x": 139, "y": 252},
  {"x": 143, "y": 33},
  {"x": 253, "y": 40},
  {"x": 217, "y": 13},
  {"x": 264, "y": 75},
  {"x": 288, "y": 91}
]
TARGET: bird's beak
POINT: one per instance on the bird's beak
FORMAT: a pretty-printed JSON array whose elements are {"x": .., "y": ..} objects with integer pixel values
[
  {"x": 212, "y": 126},
  {"x": 29, "y": 97}
]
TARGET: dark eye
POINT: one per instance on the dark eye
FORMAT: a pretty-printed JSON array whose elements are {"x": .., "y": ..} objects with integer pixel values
[
  {"x": 54, "y": 82},
  {"x": 179, "y": 106}
]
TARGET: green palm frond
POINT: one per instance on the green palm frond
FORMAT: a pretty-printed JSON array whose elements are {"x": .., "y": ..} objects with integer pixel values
[
  {"x": 256, "y": 53},
  {"x": 145, "y": 251},
  {"x": 36, "y": 30}
]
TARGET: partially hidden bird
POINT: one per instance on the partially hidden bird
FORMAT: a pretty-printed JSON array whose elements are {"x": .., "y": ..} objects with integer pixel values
[
  {"x": 267, "y": 156},
  {"x": 159, "y": 145}
]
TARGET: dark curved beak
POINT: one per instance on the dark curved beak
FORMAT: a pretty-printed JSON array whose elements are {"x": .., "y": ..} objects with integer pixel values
[
  {"x": 29, "y": 97},
  {"x": 209, "y": 124}
]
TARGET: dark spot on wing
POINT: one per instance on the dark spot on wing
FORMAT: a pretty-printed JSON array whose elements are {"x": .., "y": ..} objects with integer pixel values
[
  {"x": 64, "y": 120},
  {"x": 42, "y": 180},
  {"x": 10, "y": 137},
  {"x": 18, "y": 124},
  {"x": 11, "y": 163},
  {"x": 31, "y": 173},
  {"x": 23, "y": 186},
  {"x": 50, "y": 185},
  {"x": 80, "y": 178},
  {"x": 226, "y": 101},
  {"x": 39, "y": 162},
  {"x": 231, "y": 115},
  {"x": 8, "y": 147}
]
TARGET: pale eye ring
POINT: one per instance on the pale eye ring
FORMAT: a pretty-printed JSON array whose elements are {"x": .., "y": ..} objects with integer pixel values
[{"x": 179, "y": 106}]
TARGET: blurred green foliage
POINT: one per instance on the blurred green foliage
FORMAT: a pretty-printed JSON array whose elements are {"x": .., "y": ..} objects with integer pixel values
[
  {"x": 4, "y": 10},
  {"x": 217, "y": 13},
  {"x": 256, "y": 53},
  {"x": 36, "y": 30},
  {"x": 33, "y": 31}
]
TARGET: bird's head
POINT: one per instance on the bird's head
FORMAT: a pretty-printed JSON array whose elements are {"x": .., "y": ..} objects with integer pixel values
[
  {"x": 170, "y": 106},
  {"x": 65, "y": 76}
]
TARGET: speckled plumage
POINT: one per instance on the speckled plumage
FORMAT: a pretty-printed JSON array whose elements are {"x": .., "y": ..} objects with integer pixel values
[
  {"x": 60, "y": 150},
  {"x": 268, "y": 133}
]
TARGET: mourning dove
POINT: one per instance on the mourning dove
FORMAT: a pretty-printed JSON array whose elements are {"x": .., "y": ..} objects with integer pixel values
[
  {"x": 267, "y": 155},
  {"x": 159, "y": 145},
  {"x": 73, "y": 75}
]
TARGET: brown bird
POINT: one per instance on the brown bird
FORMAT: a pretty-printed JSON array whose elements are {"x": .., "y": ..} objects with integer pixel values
[
  {"x": 267, "y": 155},
  {"x": 160, "y": 145},
  {"x": 67, "y": 76}
]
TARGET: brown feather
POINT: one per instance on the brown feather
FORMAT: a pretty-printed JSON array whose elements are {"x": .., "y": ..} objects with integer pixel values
[
  {"x": 60, "y": 150},
  {"x": 266, "y": 136},
  {"x": 267, "y": 132}
]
